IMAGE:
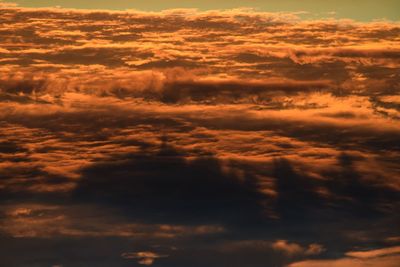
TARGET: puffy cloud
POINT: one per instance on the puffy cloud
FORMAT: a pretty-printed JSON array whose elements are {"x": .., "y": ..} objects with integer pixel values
[
  {"x": 239, "y": 43},
  {"x": 292, "y": 249}
]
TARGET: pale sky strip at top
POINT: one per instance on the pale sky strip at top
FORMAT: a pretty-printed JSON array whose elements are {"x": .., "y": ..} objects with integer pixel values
[{"x": 360, "y": 10}]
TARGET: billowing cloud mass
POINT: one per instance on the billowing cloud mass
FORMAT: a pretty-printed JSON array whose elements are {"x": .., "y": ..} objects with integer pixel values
[{"x": 188, "y": 138}]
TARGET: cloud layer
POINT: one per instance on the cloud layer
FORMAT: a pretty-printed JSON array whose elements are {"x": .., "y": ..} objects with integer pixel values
[{"x": 187, "y": 138}]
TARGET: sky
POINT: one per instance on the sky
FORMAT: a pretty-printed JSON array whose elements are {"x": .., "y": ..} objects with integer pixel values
[
  {"x": 364, "y": 10},
  {"x": 211, "y": 137}
]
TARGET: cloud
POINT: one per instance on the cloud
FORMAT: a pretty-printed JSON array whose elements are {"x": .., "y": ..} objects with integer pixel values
[
  {"x": 46, "y": 221},
  {"x": 239, "y": 43},
  {"x": 162, "y": 189},
  {"x": 386, "y": 257},
  {"x": 374, "y": 253},
  {"x": 230, "y": 137},
  {"x": 144, "y": 257},
  {"x": 293, "y": 249}
]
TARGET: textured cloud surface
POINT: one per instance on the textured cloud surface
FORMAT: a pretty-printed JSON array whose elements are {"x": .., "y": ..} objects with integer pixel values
[{"x": 187, "y": 138}]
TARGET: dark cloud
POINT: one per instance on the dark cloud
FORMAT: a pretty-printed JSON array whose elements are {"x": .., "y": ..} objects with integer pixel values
[
  {"x": 10, "y": 148},
  {"x": 232, "y": 91},
  {"x": 156, "y": 193}
]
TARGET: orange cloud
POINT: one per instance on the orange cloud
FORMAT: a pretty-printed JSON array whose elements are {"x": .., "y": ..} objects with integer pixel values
[
  {"x": 144, "y": 257},
  {"x": 385, "y": 257}
]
